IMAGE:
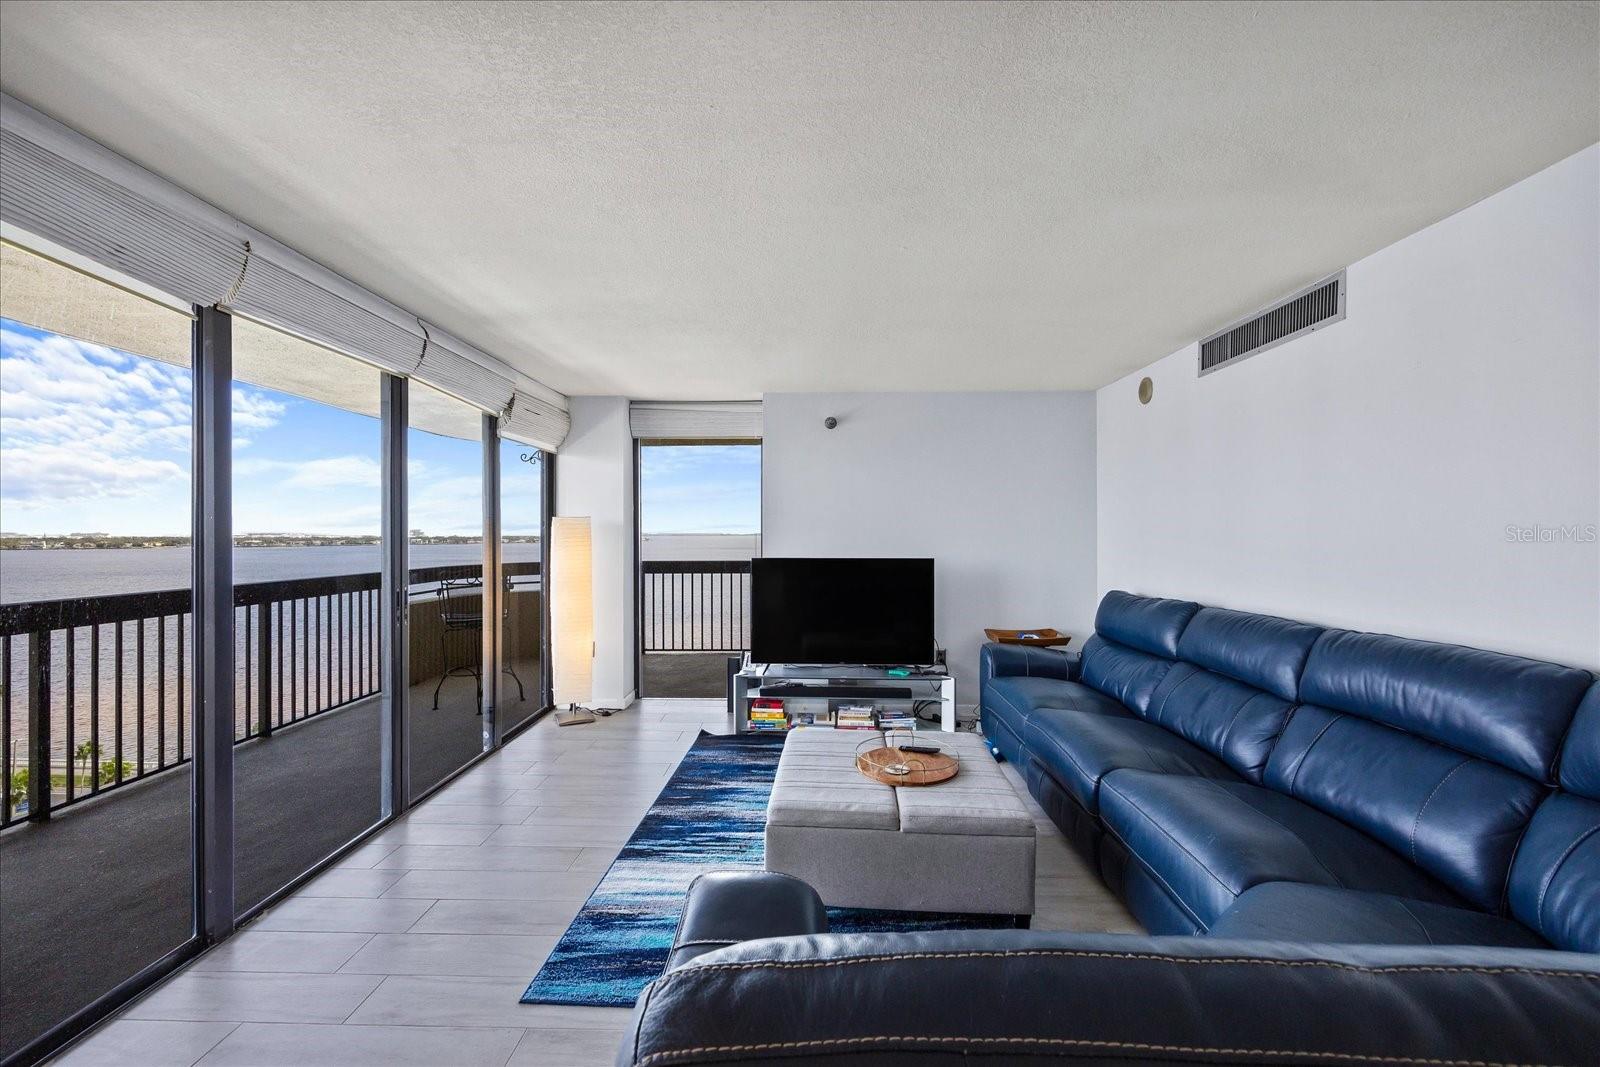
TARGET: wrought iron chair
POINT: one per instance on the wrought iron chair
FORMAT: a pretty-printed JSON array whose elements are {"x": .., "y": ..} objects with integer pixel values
[{"x": 458, "y": 622}]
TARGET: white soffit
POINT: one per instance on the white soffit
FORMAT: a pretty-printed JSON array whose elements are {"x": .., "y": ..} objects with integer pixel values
[{"x": 712, "y": 201}]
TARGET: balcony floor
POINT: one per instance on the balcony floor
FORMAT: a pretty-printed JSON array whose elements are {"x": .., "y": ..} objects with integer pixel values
[
  {"x": 298, "y": 796},
  {"x": 417, "y": 948},
  {"x": 702, "y": 675}
]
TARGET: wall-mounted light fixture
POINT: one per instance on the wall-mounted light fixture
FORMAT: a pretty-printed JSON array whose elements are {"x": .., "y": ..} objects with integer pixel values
[{"x": 1147, "y": 389}]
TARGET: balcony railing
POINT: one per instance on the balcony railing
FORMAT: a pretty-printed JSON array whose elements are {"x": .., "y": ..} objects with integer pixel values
[
  {"x": 695, "y": 605},
  {"x": 104, "y": 687}
]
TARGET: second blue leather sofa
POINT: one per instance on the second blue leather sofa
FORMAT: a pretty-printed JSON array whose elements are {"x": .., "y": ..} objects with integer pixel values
[{"x": 1255, "y": 777}]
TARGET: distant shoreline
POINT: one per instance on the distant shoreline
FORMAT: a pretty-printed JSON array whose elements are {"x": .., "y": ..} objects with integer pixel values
[{"x": 39, "y": 543}]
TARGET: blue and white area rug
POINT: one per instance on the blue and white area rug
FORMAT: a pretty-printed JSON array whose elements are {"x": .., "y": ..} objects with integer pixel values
[{"x": 710, "y": 817}]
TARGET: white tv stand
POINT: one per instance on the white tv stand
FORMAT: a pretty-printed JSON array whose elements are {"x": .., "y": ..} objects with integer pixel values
[{"x": 925, "y": 683}]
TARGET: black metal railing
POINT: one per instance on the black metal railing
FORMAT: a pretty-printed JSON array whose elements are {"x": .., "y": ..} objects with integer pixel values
[
  {"x": 695, "y": 605},
  {"x": 104, "y": 682}
]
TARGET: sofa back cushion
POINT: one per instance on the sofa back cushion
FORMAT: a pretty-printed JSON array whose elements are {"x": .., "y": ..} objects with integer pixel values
[
  {"x": 1440, "y": 752},
  {"x": 1507, "y": 709},
  {"x": 1122, "y": 673},
  {"x": 1237, "y": 723},
  {"x": 1456, "y": 816},
  {"x": 1555, "y": 879},
  {"x": 1149, "y": 624},
  {"x": 1134, "y": 642},
  {"x": 1259, "y": 650}
]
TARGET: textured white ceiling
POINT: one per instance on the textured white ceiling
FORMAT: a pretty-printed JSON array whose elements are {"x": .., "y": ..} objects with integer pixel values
[{"x": 718, "y": 200}]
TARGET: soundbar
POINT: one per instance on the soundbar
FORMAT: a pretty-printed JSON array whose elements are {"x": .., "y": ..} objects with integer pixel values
[{"x": 882, "y": 692}]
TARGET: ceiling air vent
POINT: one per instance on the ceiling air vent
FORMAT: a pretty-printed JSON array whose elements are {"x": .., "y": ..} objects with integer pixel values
[{"x": 1310, "y": 309}]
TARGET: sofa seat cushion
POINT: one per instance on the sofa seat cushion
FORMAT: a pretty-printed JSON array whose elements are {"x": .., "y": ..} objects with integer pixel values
[
  {"x": 1078, "y": 750},
  {"x": 1015, "y": 700},
  {"x": 1291, "y": 911},
  {"x": 1207, "y": 841}
]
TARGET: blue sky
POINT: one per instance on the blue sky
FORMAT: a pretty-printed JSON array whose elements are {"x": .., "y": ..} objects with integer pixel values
[
  {"x": 700, "y": 489},
  {"x": 97, "y": 440}
]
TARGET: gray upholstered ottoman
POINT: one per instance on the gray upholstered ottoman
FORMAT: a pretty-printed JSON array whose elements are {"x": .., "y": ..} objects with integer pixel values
[{"x": 966, "y": 845}]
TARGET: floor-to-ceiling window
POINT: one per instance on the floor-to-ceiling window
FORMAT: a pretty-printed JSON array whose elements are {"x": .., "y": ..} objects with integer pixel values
[
  {"x": 699, "y": 527},
  {"x": 445, "y": 520},
  {"x": 307, "y": 499},
  {"x": 96, "y": 838},
  {"x": 522, "y": 529}
]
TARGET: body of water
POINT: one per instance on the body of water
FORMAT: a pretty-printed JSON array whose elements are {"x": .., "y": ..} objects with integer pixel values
[{"x": 50, "y": 574}]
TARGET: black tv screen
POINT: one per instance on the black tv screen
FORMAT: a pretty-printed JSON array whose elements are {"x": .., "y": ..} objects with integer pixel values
[{"x": 868, "y": 611}]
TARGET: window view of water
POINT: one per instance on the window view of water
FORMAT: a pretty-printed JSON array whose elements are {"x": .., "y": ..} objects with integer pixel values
[{"x": 52, "y": 573}]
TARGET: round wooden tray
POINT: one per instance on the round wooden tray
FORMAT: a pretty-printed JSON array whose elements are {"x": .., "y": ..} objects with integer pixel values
[{"x": 922, "y": 769}]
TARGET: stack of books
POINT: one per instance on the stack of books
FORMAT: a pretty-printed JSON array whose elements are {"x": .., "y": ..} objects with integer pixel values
[
  {"x": 897, "y": 720},
  {"x": 817, "y": 719},
  {"x": 766, "y": 713},
  {"x": 856, "y": 717}
]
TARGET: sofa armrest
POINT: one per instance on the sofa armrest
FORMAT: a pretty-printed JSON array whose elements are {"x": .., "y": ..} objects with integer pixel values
[
  {"x": 998, "y": 661},
  {"x": 726, "y": 907},
  {"x": 1007, "y": 995}
]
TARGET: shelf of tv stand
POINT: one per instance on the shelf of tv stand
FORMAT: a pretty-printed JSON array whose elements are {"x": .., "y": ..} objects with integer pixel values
[{"x": 757, "y": 679}]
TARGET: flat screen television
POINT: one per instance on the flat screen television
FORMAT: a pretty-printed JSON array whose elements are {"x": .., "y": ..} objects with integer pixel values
[{"x": 877, "y": 612}]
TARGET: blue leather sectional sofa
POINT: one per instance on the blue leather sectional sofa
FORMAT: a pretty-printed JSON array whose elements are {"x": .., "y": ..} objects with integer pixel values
[
  {"x": 1389, "y": 851},
  {"x": 1245, "y": 776}
]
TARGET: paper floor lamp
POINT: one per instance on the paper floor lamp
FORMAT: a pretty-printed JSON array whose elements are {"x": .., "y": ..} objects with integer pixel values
[{"x": 571, "y": 611}]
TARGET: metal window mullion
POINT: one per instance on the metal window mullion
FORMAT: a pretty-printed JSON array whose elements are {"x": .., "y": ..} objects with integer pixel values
[
  {"x": 490, "y": 603},
  {"x": 547, "y": 508},
  {"x": 212, "y": 718},
  {"x": 393, "y": 613}
]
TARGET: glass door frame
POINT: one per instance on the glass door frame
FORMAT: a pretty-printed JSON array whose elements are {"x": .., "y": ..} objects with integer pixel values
[{"x": 639, "y": 444}]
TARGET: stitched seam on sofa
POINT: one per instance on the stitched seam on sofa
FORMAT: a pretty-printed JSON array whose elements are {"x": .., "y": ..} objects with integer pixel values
[
  {"x": 1413, "y": 916},
  {"x": 1134, "y": 957},
  {"x": 1173, "y": 688},
  {"x": 1227, "y": 731},
  {"x": 1058, "y": 1043},
  {"x": 1538, "y": 912},
  {"x": 1166, "y": 887},
  {"x": 1163, "y": 831},
  {"x": 1001, "y": 696},
  {"x": 1078, "y": 766},
  {"x": 1428, "y": 800},
  {"x": 1286, "y": 828},
  {"x": 1294, "y": 776}
]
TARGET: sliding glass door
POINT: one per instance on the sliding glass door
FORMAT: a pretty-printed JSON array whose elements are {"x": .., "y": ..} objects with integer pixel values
[
  {"x": 523, "y": 523},
  {"x": 100, "y": 655},
  {"x": 96, "y": 772},
  {"x": 307, "y": 490},
  {"x": 444, "y": 704}
]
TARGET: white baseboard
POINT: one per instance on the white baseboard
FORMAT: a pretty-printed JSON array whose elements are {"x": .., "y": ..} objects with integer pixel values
[{"x": 611, "y": 704}]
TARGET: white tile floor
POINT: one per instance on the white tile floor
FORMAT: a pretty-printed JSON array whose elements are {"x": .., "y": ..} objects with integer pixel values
[{"x": 416, "y": 948}]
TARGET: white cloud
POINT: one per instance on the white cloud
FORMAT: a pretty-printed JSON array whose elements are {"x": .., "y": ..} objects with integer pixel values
[{"x": 81, "y": 423}]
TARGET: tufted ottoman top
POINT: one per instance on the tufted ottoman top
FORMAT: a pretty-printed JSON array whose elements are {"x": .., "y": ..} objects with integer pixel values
[{"x": 817, "y": 785}]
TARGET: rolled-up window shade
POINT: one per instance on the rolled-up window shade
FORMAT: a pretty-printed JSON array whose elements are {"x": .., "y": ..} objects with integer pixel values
[
  {"x": 49, "y": 195},
  {"x": 57, "y": 185},
  {"x": 275, "y": 294},
  {"x": 460, "y": 376},
  {"x": 535, "y": 421},
  {"x": 708, "y": 421}
]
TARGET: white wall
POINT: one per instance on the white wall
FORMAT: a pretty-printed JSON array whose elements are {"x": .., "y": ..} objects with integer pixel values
[
  {"x": 594, "y": 477},
  {"x": 1365, "y": 475},
  {"x": 998, "y": 488}
]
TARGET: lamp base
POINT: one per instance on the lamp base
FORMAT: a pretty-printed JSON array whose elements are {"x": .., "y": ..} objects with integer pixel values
[{"x": 574, "y": 716}]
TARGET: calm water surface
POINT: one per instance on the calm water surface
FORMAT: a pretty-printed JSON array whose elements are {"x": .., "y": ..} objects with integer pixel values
[{"x": 48, "y": 574}]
